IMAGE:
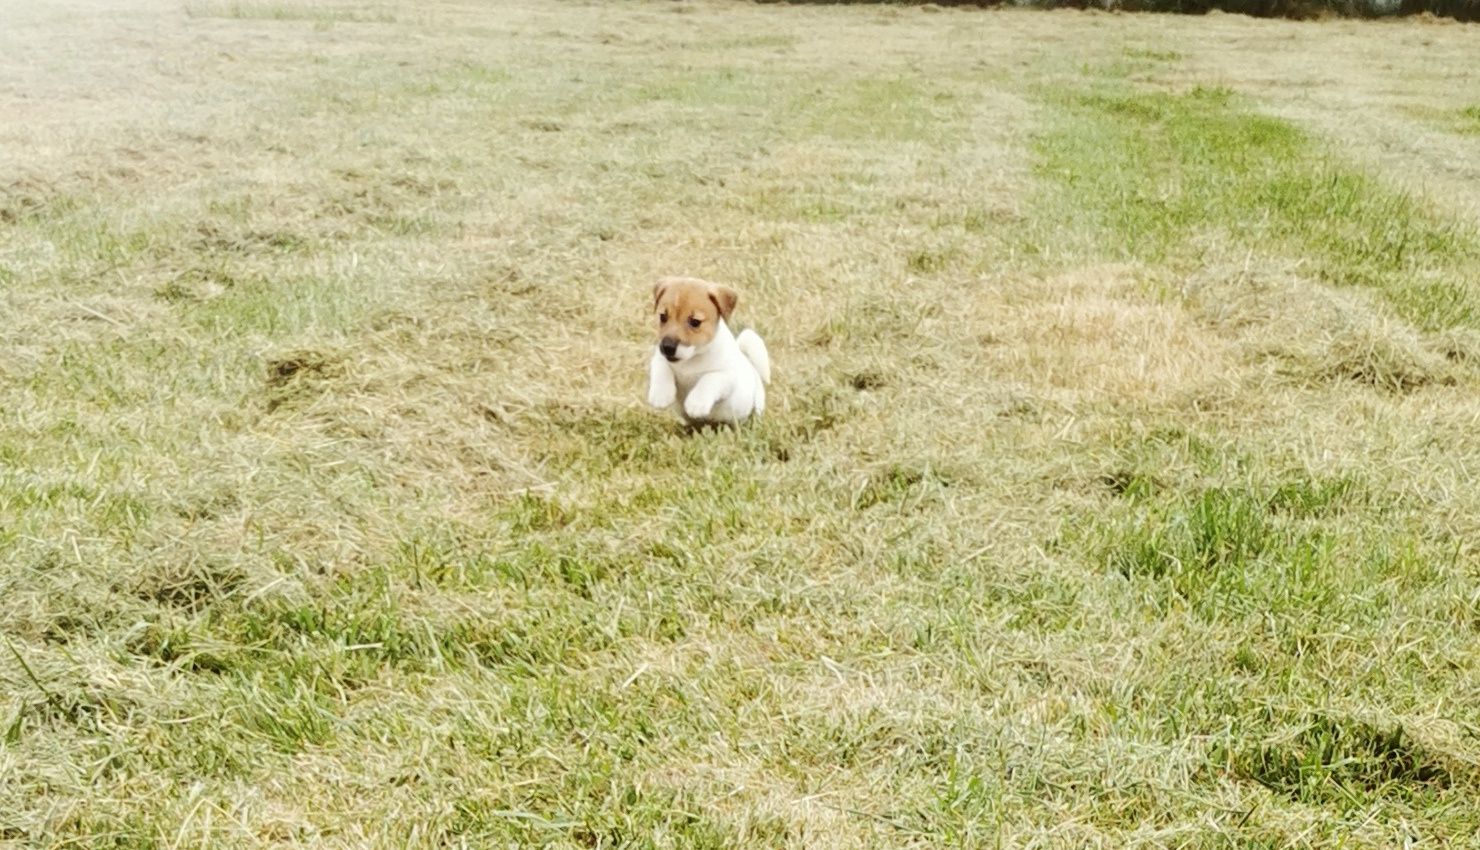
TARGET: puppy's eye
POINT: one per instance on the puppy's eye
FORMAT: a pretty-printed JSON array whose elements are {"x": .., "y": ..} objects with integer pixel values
[
  {"x": 663, "y": 317},
  {"x": 695, "y": 322}
]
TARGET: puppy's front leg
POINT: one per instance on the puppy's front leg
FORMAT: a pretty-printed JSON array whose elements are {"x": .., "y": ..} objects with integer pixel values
[
  {"x": 700, "y": 401},
  {"x": 661, "y": 389}
]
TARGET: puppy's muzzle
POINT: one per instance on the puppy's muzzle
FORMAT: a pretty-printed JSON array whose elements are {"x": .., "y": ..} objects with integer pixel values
[{"x": 669, "y": 346}]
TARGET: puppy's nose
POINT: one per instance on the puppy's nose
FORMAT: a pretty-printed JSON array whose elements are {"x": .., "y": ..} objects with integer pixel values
[{"x": 669, "y": 346}]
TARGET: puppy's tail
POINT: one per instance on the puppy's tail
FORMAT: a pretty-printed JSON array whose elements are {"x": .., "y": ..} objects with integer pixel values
[{"x": 755, "y": 351}]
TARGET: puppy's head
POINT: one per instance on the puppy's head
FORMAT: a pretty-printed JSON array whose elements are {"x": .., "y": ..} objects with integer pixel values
[{"x": 689, "y": 311}]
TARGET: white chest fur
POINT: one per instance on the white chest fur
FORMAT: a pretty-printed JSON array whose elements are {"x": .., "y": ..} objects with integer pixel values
[{"x": 722, "y": 382}]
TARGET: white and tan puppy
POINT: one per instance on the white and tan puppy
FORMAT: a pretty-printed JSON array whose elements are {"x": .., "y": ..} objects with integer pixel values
[{"x": 712, "y": 374}]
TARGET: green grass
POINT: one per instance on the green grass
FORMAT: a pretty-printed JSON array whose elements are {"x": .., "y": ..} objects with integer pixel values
[
  {"x": 1115, "y": 490},
  {"x": 1470, "y": 119},
  {"x": 1349, "y": 764},
  {"x": 1158, "y": 171}
]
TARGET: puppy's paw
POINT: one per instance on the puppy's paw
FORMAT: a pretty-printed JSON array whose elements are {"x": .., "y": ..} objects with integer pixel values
[
  {"x": 661, "y": 395},
  {"x": 697, "y": 406}
]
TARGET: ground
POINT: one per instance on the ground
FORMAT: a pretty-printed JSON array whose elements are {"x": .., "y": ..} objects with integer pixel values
[{"x": 1117, "y": 486}]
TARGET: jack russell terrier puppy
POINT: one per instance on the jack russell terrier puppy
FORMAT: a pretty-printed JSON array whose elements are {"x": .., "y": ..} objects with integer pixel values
[{"x": 714, "y": 375}]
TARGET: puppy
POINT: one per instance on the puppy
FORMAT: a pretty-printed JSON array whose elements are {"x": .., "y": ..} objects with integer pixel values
[{"x": 714, "y": 375}]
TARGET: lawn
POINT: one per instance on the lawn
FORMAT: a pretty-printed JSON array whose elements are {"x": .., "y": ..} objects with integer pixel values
[{"x": 1117, "y": 487}]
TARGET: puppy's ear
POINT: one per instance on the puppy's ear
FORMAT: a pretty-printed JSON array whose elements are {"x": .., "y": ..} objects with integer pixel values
[
  {"x": 658, "y": 289},
  {"x": 724, "y": 299}
]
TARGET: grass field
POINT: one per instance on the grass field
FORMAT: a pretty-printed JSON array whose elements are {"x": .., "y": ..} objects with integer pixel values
[{"x": 1118, "y": 487}]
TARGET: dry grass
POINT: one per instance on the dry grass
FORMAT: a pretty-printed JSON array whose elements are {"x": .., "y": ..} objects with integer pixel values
[{"x": 1117, "y": 488}]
